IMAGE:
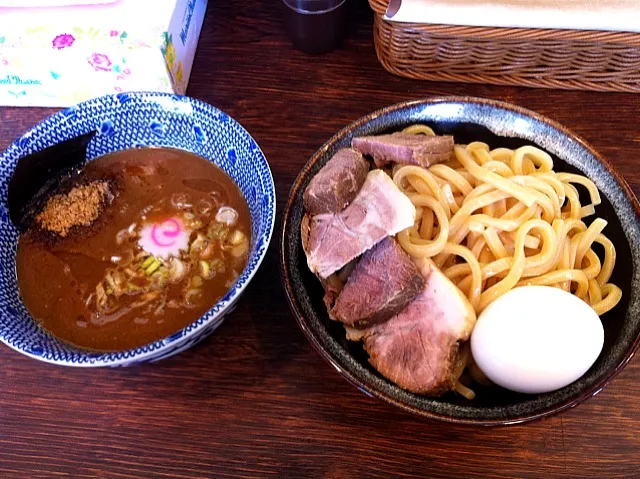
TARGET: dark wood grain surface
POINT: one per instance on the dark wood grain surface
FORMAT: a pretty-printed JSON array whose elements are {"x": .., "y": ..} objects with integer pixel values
[{"x": 254, "y": 400}]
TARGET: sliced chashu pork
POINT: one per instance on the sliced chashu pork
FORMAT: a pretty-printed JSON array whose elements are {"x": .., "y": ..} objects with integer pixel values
[
  {"x": 383, "y": 283},
  {"x": 337, "y": 183},
  {"x": 379, "y": 210},
  {"x": 405, "y": 148},
  {"x": 334, "y": 283},
  {"x": 417, "y": 349}
]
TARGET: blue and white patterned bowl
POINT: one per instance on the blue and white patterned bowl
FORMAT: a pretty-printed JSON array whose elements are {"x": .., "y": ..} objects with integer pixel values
[{"x": 125, "y": 121}]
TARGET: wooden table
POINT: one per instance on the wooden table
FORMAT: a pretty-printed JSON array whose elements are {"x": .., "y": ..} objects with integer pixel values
[{"x": 255, "y": 400}]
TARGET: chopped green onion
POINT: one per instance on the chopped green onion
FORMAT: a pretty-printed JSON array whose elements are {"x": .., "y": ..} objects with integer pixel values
[
  {"x": 209, "y": 252},
  {"x": 198, "y": 244},
  {"x": 191, "y": 297},
  {"x": 236, "y": 238},
  {"x": 147, "y": 262},
  {"x": 217, "y": 230},
  {"x": 216, "y": 263},
  {"x": 158, "y": 280},
  {"x": 205, "y": 269},
  {"x": 153, "y": 267},
  {"x": 101, "y": 296},
  {"x": 177, "y": 270},
  {"x": 110, "y": 281},
  {"x": 240, "y": 250},
  {"x": 196, "y": 224}
]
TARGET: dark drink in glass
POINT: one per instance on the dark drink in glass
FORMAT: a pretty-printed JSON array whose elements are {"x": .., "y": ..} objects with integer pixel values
[{"x": 315, "y": 26}]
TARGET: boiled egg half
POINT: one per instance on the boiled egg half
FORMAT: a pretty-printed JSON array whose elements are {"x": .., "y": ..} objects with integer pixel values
[{"x": 536, "y": 339}]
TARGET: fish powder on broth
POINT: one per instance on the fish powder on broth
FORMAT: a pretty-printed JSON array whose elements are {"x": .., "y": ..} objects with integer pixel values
[{"x": 99, "y": 288}]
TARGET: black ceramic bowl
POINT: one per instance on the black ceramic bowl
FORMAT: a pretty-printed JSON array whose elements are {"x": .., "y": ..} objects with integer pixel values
[{"x": 498, "y": 124}]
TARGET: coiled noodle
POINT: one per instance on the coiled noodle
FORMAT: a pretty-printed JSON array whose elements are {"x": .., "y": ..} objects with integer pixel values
[{"x": 496, "y": 219}]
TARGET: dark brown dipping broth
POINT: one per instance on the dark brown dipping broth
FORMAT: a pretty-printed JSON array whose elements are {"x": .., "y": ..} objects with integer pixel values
[{"x": 59, "y": 280}]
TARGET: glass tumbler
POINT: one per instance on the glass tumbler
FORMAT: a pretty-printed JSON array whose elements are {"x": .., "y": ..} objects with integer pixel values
[{"x": 315, "y": 26}]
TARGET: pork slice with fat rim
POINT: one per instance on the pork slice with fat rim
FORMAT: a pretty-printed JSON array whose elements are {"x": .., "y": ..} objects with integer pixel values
[
  {"x": 334, "y": 283},
  {"x": 379, "y": 210},
  {"x": 405, "y": 148},
  {"x": 337, "y": 183},
  {"x": 383, "y": 283},
  {"x": 417, "y": 349}
]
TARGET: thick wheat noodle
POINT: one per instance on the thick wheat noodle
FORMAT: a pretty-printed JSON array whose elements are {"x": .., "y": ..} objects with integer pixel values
[
  {"x": 550, "y": 207},
  {"x": 502, "y": 223},
  {"x": 611, "y": 295},
  {"x": 424, "y": 182},
  {"x": 559, "y": 276},
  {"x": 495, "y": 245},
  {"x": 475, "y": 288},
  {"x": 477, "y": 145},
  {"x": 464, "y": 173},
  {"x": 479, "y": 191},
  {"x": 584, "y": 181},
  {"x": 417, "y": 129},
  {"x": 491, "y": 209},
  {"x": 517, "y": 209},
  {"x": 545, "y": 163},
  {"x": 502, "y": 154},
  {"x": 587, "y": 238},
  {"x": 426, "y": 226},
  {"x": 480, "y": 153},
  {"x": 500, "y": 183},
  {"x": 565, "y": 263},
  {"x": 544, "y": 188},
  {"x": 595, "y": 293},
  {"x": 430, "y": 247},
  {"x": 494, "y": 219},
  {"x": 488, "y": 222},
  {"x": 573, "y": 201},
  {"x": 451, "y": 176},
  {"x": 520, "y": 265},
  {"x": 609, "y": 259},
  {"x": 476, "y": 249},
  {"x": 498, "y": 168},
  {"x": 593, "y": 270},
  {"x": 550, "y": 178},
  {"x": 463, "y": 214},
  {"x": 450, "y": 199},
  {"x": 587, "y": 210},
  {"x": 543, "y": 261}
]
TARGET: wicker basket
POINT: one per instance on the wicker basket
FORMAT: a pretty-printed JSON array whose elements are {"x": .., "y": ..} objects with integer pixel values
[{"x": 544, "y": 58}]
